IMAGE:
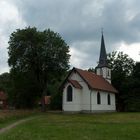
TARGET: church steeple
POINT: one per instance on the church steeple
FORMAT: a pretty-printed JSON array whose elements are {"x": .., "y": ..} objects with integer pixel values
[
  {"x": 102, "y": 67},
  {"x": 103, "y": 56}
]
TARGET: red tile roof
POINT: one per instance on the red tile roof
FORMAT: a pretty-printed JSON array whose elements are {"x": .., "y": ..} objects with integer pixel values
[
  {"x": 95, "y": 81},
  {"x": 75, "y": 84},
  {"x": 3, "y": 96}
]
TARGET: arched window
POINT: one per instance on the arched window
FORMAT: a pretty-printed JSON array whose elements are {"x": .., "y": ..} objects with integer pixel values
[
  {"x": 69, "y": 93},
  {"x": 108, "y": 99},
  {"x": 98, "y": 98}
]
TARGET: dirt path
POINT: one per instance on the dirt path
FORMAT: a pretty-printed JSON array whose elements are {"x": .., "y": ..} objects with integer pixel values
[{"x": 2, "y": 130}]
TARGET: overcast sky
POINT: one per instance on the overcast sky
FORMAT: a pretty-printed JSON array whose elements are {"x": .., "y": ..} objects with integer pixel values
[{"x": 79, "y": 22}]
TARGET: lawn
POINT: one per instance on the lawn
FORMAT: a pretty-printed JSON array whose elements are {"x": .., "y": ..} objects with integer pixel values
[
  {"x": 9, "y": 116},
  {"x": 51, "y": 126}
]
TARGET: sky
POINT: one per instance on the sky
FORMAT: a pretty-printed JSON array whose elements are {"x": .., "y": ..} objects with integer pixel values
[{"x": 79, "y": 22}]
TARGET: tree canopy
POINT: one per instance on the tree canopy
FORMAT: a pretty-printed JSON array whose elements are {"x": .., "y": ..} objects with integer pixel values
[
  {"x": 37, "y": 59},
  {"x": 125, "y": 78},
  {"x": 121, "y": 66},
  {"x": 132, "y": 101}
]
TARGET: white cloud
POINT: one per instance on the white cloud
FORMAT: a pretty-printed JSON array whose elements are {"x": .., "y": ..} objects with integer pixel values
[
  {"x": 79, "y": 22},
  {"x": 77, "y": 57},
  {"x": 10, "y": 19},
  {"x": 133, "y": 50},
  {"x": 84, "y": 54}
]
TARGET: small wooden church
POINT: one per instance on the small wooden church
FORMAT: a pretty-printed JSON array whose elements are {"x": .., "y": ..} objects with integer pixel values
[{"x": 88, "y": 91}]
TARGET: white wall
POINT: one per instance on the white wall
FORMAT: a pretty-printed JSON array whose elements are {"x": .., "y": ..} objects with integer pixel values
[
  {"x": 104, "y": 101},
  {"x": 75, "y": 105},
  {"x": 85, "y": 93},
  {"x": 81, "y": 96}
]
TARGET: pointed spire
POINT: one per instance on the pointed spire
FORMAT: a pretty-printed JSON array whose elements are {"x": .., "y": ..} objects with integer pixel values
[{"x": 103, "y": 56}]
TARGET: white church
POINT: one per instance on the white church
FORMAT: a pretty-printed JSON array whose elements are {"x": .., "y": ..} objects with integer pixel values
[{"x": 90, "y": 92}]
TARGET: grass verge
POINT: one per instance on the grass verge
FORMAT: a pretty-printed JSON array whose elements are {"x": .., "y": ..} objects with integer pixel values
[{"x": 108, "y": 126}]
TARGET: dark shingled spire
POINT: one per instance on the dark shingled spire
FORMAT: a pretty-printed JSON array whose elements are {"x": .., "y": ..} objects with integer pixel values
[{"x": 103, "y": 56}]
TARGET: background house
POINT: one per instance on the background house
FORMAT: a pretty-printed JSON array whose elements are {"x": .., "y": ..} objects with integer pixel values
[{"x": 3, "y": 100}]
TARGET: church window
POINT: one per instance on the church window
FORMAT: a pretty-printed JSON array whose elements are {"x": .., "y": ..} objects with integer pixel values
[
  {"x": 98, "y": 98},
  {"x": 108, "y": 99},
  {"x": 69, "y": 93}
]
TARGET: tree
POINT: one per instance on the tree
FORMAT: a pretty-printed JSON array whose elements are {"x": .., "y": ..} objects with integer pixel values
[
  {"x": 133, "y": 89},
  {"x": 5, "y": 81},
  {"x": 91, "y": 70},
  {"x": 122, "y": 67},
  {"x": 118, "y": 61},
  {"x": 37, "y": 58}
]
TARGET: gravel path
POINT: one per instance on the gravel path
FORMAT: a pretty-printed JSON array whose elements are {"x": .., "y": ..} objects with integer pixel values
[{"x": 2, "y": 130}]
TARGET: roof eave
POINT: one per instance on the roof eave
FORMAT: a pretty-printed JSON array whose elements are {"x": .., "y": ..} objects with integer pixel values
[{"x": 105, "y": 90}]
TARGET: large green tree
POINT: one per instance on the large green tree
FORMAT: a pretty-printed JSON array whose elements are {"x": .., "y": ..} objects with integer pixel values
[
  {"x": 122, "y": 67},
  {"x": 133, "y": 90},
  {"x": 37, "y": 59}
]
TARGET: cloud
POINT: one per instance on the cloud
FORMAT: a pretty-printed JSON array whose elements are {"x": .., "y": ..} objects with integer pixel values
[
  {"x": 84, "y": 57},
  {"x": 79, "y": 22},
  {"x": 132, "y": 50},
  {"x": 83, "y": 19},
  {"x": 10, "y": 19}
]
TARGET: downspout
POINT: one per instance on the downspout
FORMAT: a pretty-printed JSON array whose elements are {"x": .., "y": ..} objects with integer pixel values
[{"x": 90, "y": 102}]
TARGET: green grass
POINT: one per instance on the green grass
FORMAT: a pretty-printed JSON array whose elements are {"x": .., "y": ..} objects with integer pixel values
[
  {"x": 9, "y": 116},
  {"x": 108, "y": 126}
]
